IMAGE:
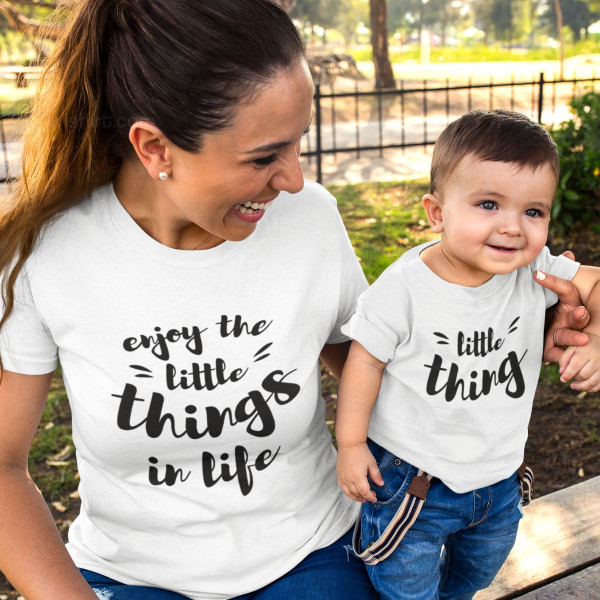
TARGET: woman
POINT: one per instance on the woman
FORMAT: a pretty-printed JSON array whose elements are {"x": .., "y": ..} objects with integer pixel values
[{"x": 165, "y": 248}]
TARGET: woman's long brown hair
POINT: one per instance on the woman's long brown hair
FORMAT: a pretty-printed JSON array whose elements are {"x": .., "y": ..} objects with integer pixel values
[{"x": 180, "y": 64}]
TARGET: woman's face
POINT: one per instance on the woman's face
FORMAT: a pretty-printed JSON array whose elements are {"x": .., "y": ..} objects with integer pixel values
[{"x": 251, "y": 161}]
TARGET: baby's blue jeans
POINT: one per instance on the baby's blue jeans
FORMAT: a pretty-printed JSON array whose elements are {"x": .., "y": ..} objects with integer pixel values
[
  {"x": 326, "y": 574},
  {"x": 455, "y": 547}
]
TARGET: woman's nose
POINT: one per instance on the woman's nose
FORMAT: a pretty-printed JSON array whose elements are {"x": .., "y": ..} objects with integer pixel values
[{"x": 289, "y": 177}]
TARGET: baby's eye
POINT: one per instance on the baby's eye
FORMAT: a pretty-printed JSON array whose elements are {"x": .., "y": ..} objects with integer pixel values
[
  {"x": 265, "y": 161},
  {"x": 533, "y": 212},
  {"x": 488, "y": 205}
]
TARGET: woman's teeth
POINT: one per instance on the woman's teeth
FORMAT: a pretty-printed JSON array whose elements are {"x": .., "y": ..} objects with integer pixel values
[{"x": 252, "y": 207}]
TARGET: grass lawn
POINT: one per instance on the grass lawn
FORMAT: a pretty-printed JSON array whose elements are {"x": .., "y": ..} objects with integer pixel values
[
  {"x": 383, "y": 220},
  {"x": 479, "y": 53}
]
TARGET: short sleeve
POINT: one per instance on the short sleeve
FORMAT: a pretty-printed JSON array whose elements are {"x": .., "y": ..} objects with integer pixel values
[
  {"x": 26, "y": 345},
  {"x": 352, "y": 283},
  {"x": 379, "y": 320},
  {"x": 559, "y": 266}
]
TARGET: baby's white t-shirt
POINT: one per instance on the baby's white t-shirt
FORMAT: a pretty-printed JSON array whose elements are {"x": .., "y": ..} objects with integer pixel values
[
  {"x": 463, "y": 365},
  {"x": 193, "y": 377}
]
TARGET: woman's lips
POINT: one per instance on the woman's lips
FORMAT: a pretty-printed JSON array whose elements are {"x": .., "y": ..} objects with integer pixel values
[
  {"x": 249, "y": 213},
  {"x": 250, "y": 217}
]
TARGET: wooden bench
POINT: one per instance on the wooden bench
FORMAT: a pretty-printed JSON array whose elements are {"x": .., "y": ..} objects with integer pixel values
[
  {"x": 557, "y": 553},
  {"x": 22, "y": 75}
]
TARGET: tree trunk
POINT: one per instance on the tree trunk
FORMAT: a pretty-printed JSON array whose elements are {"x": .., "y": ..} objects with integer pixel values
[
  {"x": 384, "y": 75},
  {"x": 559, "y": 24}
]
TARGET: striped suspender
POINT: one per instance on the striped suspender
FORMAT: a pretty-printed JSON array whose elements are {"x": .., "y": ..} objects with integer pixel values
[
  {"x": 409, "y": 510},
  {"x": 405, "y": 516},
  {"x": 526, "y": 478}
]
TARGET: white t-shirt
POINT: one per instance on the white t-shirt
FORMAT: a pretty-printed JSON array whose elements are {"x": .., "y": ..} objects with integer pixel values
[
  {"x": 463, "y": 365},
  {"x": 193, "y": 377}
]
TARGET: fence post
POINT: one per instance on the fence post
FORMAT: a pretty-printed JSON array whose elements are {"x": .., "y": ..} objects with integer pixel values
[
  {"x": 541, "y": 98},
  {"x": 318, "y": 124}
]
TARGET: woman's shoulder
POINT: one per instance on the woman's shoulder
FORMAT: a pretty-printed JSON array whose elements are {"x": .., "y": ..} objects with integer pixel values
[{"x": 77, "y": 221}]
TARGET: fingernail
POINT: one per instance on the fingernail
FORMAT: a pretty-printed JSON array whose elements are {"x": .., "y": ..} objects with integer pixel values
[
  {"x": 540, "y": 275},
  {"x": 584, "y": 315},
  {"x": 561, "y": 369}
]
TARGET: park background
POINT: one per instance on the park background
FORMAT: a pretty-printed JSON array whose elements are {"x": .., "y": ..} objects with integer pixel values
[{"x": 390, "y": 75}]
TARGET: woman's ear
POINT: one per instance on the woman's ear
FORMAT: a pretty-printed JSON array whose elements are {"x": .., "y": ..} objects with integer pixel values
[
  {"x": 433, "y": 209},
  {"x": 150, "y": 145}
]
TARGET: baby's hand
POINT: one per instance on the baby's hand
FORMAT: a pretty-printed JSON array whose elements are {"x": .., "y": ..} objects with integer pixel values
[
  {"x": 582, "y": 362},
  {"x": 353, "y": 464}
]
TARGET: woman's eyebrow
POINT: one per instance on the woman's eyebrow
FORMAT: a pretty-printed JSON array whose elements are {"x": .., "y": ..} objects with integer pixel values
[
  {"x": 268, "y": 147},
  {"x": 276, "y": 145}
]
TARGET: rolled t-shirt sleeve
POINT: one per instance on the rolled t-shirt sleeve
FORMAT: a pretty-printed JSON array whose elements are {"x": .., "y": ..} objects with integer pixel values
[
  {"x": 378, "y": 322},
  {"x": 26, "y": 345},
  {"x": 560, "y": 266}
]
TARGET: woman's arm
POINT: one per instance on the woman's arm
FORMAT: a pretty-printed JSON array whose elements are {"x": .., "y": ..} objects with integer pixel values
[
  {"x": 32, "y": 554},
  {"x": 334, "y": 356}
]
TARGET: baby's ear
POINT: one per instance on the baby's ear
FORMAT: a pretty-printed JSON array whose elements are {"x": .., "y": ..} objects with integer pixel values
[{"x": 433, "y": 210}]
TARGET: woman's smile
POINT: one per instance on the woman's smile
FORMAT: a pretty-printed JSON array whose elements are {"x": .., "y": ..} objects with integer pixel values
[{"x": 251, "y": 211}]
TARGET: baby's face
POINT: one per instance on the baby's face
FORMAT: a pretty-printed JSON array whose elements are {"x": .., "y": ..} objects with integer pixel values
[{"x": 495, "y": 215}]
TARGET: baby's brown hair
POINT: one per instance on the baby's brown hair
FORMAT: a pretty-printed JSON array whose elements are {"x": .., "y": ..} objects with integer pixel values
[{"x": 495, "y": 135}]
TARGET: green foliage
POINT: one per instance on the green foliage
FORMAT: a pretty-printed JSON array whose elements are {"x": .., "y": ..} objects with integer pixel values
[
  {"x": 578, "y": 141},
  {"x": 576, "y": 14}
]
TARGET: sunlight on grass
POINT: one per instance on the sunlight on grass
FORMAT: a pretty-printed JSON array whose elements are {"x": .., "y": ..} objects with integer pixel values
[{"x": 383, "y": 220}]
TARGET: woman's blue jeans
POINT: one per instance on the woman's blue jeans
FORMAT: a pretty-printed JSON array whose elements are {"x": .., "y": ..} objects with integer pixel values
[
  {"x": 327, "y": 574},
  {"x": 455, "y": 547}
]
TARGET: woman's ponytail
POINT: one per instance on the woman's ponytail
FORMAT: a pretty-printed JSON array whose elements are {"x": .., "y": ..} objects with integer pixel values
[{"x": 66, "y": 149}]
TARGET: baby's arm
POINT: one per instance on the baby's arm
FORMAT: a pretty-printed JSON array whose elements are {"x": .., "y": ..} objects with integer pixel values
[
  {"x": 584, "y": 361},
  {"x": 358, "y": 390}
]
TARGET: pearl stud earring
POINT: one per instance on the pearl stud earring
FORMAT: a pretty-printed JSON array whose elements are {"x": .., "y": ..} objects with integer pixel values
[{"x": 163, "y": 176}]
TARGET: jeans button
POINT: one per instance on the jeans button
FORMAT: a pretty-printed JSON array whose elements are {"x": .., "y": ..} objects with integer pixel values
[{"x": 397, "y": 462}]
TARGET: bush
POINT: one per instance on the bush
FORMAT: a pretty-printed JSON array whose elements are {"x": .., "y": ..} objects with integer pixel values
[{"x": 578, "y": 141}]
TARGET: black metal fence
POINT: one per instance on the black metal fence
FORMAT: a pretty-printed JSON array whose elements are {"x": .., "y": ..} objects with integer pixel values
[
  {"x": 346, "y": 133},
  {"x": 543, "y": 97}
]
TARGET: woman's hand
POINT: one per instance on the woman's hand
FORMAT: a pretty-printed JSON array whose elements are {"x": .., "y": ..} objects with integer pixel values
[{"x": 564, "y": 321}]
